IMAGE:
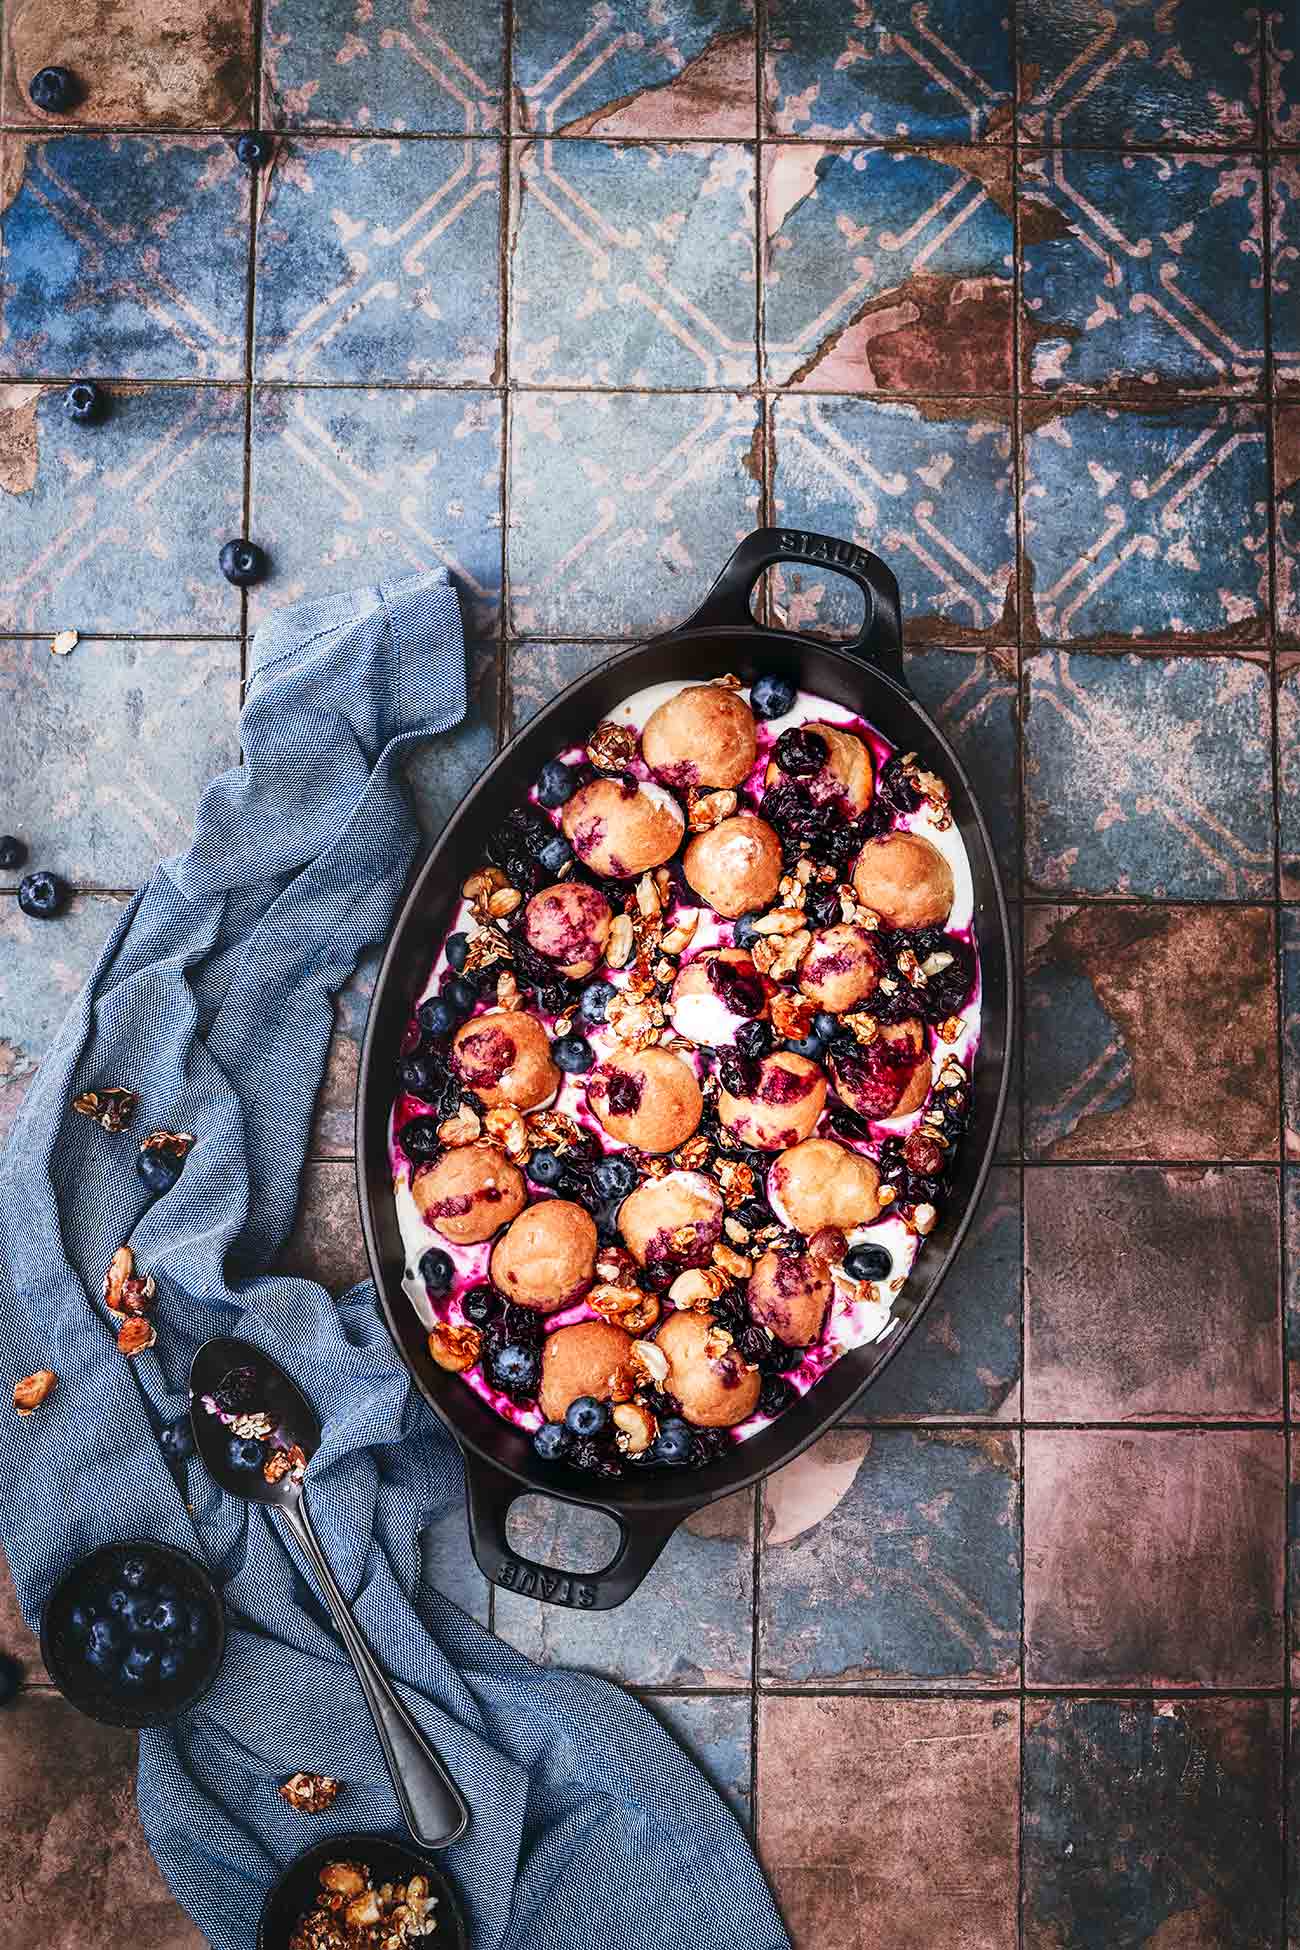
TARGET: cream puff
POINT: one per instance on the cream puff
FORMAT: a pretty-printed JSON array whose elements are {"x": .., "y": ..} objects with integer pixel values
[
  {"x": 622, "y": 827},
  {"x": 703, "y": 736},
  {"x": 905, "y": 880},
  {"x": 504, "y": 1056},
  {"x": 735, "y": 866},
  {"x": 707, "y": 1373},
  {"x": 673, "y": 1222},
  {"x": 569, "y": 924},
  {"x": 787, "y": 1098},
  {"x": 789, "y": 1293},
  {"x": 470, "y": 1193},
  {"x": 841, "y": 969},
  {"x": 580, "y": 1360},
  {"x": 822, "y": 1183},
  {"x": 547, "y": 1258},
  {"x": 648, "y": 1098},
  {"x": 846, "y": 775},
  {"x": 714, "y": 994},
  {"x": 887, "y": 1077}
]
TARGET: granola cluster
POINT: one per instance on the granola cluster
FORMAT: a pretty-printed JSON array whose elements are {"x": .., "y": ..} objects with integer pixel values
[{"x": 353, "y": 1912}]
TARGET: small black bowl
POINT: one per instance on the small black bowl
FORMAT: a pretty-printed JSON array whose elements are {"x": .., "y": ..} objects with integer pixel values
[
  {"x": 289, "y": 1899},
  {"x": 98, "y": 1694}
]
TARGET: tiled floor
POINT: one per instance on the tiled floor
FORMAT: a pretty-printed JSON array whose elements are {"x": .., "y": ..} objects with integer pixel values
[{"x": 570, "y": 298}]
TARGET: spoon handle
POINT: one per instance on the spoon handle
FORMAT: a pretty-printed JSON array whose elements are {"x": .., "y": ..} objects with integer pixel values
[{"x": 431, "y": 1803}]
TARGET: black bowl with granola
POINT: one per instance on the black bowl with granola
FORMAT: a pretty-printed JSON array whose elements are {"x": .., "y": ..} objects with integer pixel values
[
  {"x": 671, "y": 1072},
  {"x": 360, "y": 1892}
]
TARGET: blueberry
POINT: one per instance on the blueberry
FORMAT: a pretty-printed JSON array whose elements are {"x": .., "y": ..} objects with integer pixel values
[
  {"x": 437, "y": 1270},
  {"x": 514, "y": 1367},
  {"x": 253, "y": 149},
  {"x": 457, "y": 951},
  {"x": 170, "y": 1663},
  {"x": 596, "y": 998},
  {"x": 545, "y": 1168},
  {"x": 12, "y": 851},
  {"x": 745, "y": 930},
  {"x": 868, "y": 1263},
  {"x": 480, "y": 1305},
  {"x": 826, "y": 1025},
  {"x": 755, "y": 1212},
  {"x": 574, "y": 1054},
  {"x": 461, "y": 995},
  {"x": 243, "y": 1453},
  {"x": 168, "y": 1617},
  {"x": 160, "y": 1166},
  {"x": 10, "y": 1679},
  {"x": 606, "y": 1217},
  {"x": 135, "y": 1573},
  {"x": 775, "y": 1396},
  {"x": 436, "y": 1017},
  {"x": 771, "y": 697},
  {"x": 557, "y": 784},
  {"x": 551, "y": 1441},
  {"x": 196, "y": 1625},
  {"x": 615, "y": 1177},
  {"x": 102, "y": 1657},
  {"x": 753, "y": 1039},
  {"x": 673, "y": 1443},
  {"x": 242, "y": 562},
  {"x": 41, "y": 895},
  {"x": 800, "y": 752},
  {"x": 419, "y": 1138},
  {"x": 119, "y": 1601},
  {"x": 555, "y": 856},
  {"x": 139, "y": 1666},
  {"x": 80, "y": 1620},
  {"x": 104, "y": 1633},
  {"x": 83, "y": 403},
  {"x": 177, "y": 1441},
  {"x": 804, "y": 1045},
  {"x": 586, "y": 1417},
  {"x": 53, "y": 89}
]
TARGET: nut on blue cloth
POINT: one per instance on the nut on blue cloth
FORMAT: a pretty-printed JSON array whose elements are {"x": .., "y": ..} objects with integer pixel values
[{"x": 213, "y": 999}]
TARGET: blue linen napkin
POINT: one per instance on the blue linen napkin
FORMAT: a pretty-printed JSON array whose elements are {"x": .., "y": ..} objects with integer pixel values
[{"x": 213, "y": 999}]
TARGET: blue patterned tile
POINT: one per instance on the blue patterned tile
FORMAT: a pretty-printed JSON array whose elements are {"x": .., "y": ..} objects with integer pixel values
[
  {"x": 646, "y": 68},
  {"x": 384, "y": 64},
  {"x": 104, "y": 753},
  {"x": 117, "y": 527},
  {"x": 928, "y": 487},
  {"x": 45, "y": 963},
  {"x": 893, "y": 70},
  {"x": 1284, "y": 278},
  {"x": 972, "y": 696},
  {"x": 354, "y": 485},
  {"x": 1141, "y": 272},
  {"x": 963, "y": 1360},
  {"x": 1182, "y": 75},
  {"x": 185, "y": 65},
  {"x": 1286, "y": 518},
  {"x": 624, "y": 507},
  {"x": 1147, "y": 523},
  {"x": 632, "y": 264},
  {"x": 888, "y": 271},
  {"x": 715, "y": 1730},
  {"x": 123, "y": 256},
  {"x": 379, "y": 260},
  {"x": 1115, "y": 998},
  {"x": 442, "y": 770},
  {"x": 1153, "y": 1823},
  {"x": 654, "y": 1640},
  {"x": 1148, "y": 775},
  {"x": 1281, "y": 72},
  {"x": 540, "y": 671},
  {"x": 1288, "y": 774},
  {"x": 912, "y": 1575}
]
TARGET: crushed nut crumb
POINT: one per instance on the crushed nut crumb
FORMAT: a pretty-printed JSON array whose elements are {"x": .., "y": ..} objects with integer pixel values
[
  {"x": 310, "y": 1794},
  {"x": 455, "y": 1348},
  {"x": 112, "y": 1108},
  {"x": 32, "y": 1390},
  {"x": 612, "y": 747}
]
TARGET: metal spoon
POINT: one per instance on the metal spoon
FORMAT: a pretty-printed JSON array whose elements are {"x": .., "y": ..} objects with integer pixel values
[{"x": 435, "y": 1812}]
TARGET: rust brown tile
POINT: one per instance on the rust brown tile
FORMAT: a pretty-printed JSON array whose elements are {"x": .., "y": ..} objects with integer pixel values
[
  {"x": 1151, "y": 1294},
  {"x": 1154, "y": 1559},
  {"x": 73, "y": 1844},
  {"x": 859, "y": 1799},
  {"x": 1151, "y": 1032},
  {"x": 188, "y": 65},
  {"x": 16, "y": 1640},
  {"x": 333, "y": 1129},
  {"x": 326, "y": 1242}
]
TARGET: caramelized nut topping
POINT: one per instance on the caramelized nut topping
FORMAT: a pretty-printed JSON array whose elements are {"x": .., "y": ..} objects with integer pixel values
[
  {"x": 310, "y": 1794},
  {"x": 455, "y": 1348},
  {"x": 612, "y": 747},
  {"x": 133, "y": 1336},
  {"x": 32, "y": 1390},
  {"x": 112, "y": 1108}
]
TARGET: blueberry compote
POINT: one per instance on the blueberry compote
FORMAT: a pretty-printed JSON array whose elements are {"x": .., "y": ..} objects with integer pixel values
[{"x": 704, "y": 1163}]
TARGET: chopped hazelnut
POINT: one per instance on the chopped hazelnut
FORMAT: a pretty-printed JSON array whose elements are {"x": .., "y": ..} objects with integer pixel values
[
  {"x": 455, "y": 1348},
  {"x": 31, "y": 1392},
  {"x": 133, "y": 1336},
  {"x": 309, "y": 1793}
]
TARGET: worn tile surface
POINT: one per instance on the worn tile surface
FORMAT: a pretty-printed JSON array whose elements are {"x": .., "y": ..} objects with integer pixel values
[
  {"x": 716, "y": 1730},
  {"x": 647, "y": 68},
  {"x": 187, "y": 65},
  {"x": 45, "y": 966},
  {"x": 389, "y": 65},
  {"x": 1199, "y": 1511}
]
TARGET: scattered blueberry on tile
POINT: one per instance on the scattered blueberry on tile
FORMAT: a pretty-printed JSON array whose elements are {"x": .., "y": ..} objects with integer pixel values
[
  {"x": 379, "y": 261},
  {"x": 888, "y": 271},
  {"x": 1142, "y": 272},
  {"x": 124, "y": 255},
  {"x": 1146, "y": 523},
  {"x": 388, "y": 65},
  {"x": 1179, "y": 76},
  {"x": 651, "y": 68},
  {"x": 1148, "y": 775},
  {"x": 186, "y": 65},
  {"x": 890, "y": 71},
  {"x": 633, "y": 265}
]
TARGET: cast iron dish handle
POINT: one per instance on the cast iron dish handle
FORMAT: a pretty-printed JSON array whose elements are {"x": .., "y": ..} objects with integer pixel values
[
  {"x": 880, "y": 640},
  {"x": 642, "y": 1535}
]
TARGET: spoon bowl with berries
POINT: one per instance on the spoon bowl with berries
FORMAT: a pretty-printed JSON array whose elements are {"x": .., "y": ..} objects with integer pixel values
[{"x": 256, "y": 1432}]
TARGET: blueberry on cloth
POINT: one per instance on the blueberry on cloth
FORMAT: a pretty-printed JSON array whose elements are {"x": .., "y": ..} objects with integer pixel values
[
  {"x": 160, "y": 1166},
  {"x": 177, "y": 1440}
]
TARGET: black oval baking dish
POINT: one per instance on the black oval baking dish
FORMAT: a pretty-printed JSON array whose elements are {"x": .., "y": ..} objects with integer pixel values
[{"x": 866, "y": 676}]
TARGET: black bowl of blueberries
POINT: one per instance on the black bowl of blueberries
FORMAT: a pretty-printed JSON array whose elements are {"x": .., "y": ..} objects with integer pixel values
[{"x": 133, "y": 1633}]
